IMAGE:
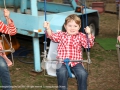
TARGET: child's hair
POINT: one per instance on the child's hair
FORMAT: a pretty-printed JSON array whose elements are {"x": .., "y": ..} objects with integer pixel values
[{"x": 72, "y": 17}]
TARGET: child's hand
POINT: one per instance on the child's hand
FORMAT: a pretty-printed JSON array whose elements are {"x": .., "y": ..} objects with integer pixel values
[
  {"x": 118, "y": 38},
  {"x": 87, "y": 30},
  {"x": 46, "y": 25},
  {"x": 6, "y": 13}
]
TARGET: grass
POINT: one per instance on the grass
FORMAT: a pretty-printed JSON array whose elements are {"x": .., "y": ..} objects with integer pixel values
[{"x": 104, "y": 70}]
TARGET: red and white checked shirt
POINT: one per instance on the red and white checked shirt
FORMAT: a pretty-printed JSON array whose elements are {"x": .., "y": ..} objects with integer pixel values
[{"x": 70, "y": 46}]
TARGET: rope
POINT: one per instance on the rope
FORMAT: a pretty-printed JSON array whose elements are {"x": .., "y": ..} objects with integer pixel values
[
  {"x": 88, "y": 49},
  {"x": 9, "y": 34},
  {"x": 4, "y": 4},
  {"x": 45, "y": 41},
  {"x": 83, "y": 3},
  {"x": 118, "y": 30},
  {"x": 118, "y": 20}
]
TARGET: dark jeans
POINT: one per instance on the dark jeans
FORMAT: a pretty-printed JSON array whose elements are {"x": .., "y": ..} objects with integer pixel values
[
  {"x": 4, "y": 75},
  {"x": 79, "y": 72}
]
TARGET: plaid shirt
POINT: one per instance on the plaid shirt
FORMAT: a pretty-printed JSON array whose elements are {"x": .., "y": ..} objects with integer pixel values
[{"x": 70, "y": 46}]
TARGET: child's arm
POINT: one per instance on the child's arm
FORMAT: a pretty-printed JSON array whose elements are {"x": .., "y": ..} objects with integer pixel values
[
  {"x": 7, "y": 14},
  {"x": 56, "y": 37},
  {"x": 10, "y": 27},
  {"x": 47, "y": 26},
  {"x": 85, "y": 40}
]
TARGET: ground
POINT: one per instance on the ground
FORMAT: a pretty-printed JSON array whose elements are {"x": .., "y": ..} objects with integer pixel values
[{"x": 103, "y": 73}]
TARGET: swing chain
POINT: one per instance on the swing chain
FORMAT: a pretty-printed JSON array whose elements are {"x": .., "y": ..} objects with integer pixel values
[
  {"x": 88, "y": 56},
  {"x": 44, "y": 54}
]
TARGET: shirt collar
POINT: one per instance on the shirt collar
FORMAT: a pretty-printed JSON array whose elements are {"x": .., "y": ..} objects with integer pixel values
[{"x": 71, "y": 35}]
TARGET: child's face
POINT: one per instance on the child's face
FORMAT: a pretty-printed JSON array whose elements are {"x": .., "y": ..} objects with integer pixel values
[{"x": 72, "y": 28}]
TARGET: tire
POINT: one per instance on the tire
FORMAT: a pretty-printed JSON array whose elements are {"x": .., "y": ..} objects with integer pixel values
[
  {"x": 92, "y": 22},
  {"x": 94, "y": 26}
]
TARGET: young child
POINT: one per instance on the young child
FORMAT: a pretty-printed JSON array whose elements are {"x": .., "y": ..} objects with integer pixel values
[
  {"x": 70, "y": 46},
  {"x": 4, "y": 61}
]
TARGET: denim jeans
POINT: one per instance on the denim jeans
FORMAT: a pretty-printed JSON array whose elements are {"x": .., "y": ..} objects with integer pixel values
[
  {"x": 4, "y": 75},
  {"x": 79, "y": 72}
]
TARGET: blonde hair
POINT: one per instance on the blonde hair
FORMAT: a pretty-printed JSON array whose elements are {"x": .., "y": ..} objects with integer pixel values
[{"x": 73, "y": 17}]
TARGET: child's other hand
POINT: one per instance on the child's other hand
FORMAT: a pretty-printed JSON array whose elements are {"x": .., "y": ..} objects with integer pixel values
[
  {"x": 6, "y": 13},
  {"x": 118, "y": 38},
  {"x": 46, "y": 25},
  {"x": 87, "y": 30}
]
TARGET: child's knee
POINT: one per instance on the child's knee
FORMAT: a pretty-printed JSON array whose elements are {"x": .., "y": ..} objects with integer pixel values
[{"x": 83, "y": 73}]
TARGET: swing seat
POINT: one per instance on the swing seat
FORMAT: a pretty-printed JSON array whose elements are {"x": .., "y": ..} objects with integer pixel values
[{"x": 51, "y": 57}]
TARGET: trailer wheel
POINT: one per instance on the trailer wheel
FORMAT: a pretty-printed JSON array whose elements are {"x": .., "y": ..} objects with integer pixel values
[{"x": 93, "y": 29}]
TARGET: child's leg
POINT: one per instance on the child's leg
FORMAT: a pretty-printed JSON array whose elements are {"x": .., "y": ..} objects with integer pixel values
[
  {"x": 4, "y": 75},
  {"x": 62, "y": 77},
  {"x": 81, "y": 76}
]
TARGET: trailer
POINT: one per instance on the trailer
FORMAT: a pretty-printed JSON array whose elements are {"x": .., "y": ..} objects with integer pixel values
[{"x": 29, "y": 15}]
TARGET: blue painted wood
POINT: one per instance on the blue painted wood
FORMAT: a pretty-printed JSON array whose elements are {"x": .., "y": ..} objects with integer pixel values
[
  {"x": 23, "y": 21},
  {"x": 57, "y": 7},
  {"x": 16, "y": 3},
  {"x": 23, "y": 6},
  {"x": 40, "y": 5},
  {"x": 51, "y": 6},
  {"x": 10, "y": 3},
  {"x": 73, "y": 4},
  {"x": 34, "y": 12},
  {"x": 27, "y": 23},
  {"x": 7, "y": 2}
]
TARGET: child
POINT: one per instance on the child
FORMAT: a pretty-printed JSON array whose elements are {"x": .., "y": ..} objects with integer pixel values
[
  {"x": 4, "y": 61},
  {"x": 70, "y": 46}
]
